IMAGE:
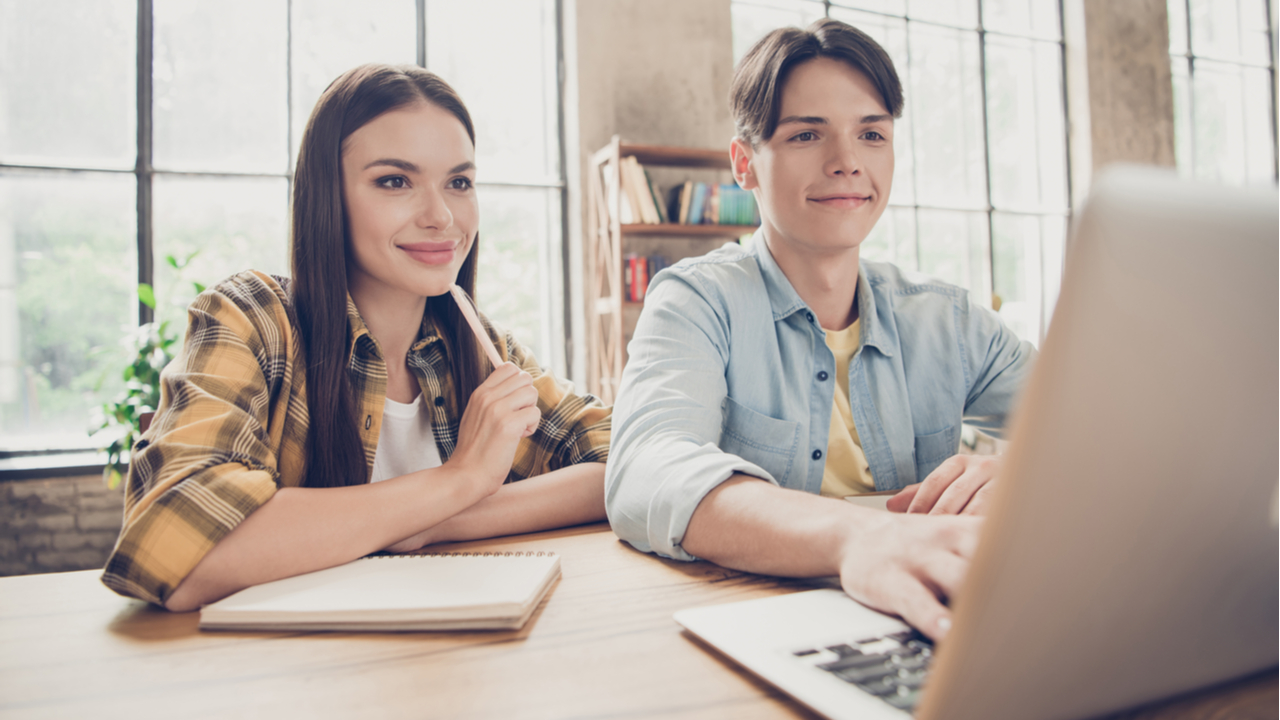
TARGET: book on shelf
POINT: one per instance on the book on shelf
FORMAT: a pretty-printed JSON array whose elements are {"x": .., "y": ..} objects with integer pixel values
[
  {"x": 387, "y": 593},
  {"x": 626, "y": 214},
  {"x": 688, "y": 203},
  {"x": 637, "y": 272}
]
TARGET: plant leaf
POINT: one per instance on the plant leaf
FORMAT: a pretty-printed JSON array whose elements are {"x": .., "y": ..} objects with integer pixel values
[{"x": 147, "y": 295}]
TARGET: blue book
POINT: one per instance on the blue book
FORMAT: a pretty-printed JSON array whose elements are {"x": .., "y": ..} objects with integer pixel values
[{"x": 695, "y": 207}]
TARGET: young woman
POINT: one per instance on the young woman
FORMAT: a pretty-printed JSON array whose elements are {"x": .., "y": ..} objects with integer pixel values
[{"x": 311, "y": 421}]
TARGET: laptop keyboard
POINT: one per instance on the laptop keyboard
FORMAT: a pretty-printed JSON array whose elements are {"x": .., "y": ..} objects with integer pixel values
[{"x": 891, "y": 667}]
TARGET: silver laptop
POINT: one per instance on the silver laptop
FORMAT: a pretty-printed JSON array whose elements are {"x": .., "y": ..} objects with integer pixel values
[{"x": 1131, "y": 550}]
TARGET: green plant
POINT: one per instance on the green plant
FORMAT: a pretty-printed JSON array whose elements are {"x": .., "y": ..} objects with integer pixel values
[{"x": 151, "y": 347}]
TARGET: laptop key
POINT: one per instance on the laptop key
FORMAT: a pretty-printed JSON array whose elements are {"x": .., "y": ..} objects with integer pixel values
[
  {"x": 844, "y": 650},
  {"x": 854, "y": 662}
]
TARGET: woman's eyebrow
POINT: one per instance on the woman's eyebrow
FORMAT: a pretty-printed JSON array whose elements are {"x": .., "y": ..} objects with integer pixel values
[
  {"x": 468, "y": 165},
  {"x": 395, "y": 163}
]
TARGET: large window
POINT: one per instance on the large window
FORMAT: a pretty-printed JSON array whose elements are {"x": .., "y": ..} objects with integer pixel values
[
  {"x": 136, "y": 130},
  {"x": 1222, "y": 54},
  {"x": 980, "y": 187}
]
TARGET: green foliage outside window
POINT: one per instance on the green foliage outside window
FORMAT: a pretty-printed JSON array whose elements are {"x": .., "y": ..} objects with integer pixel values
[{"x": 151, "y": 347}]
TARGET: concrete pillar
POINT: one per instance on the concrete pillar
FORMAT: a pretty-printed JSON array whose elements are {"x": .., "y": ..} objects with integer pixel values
[{"x": 1119, "y": 87}]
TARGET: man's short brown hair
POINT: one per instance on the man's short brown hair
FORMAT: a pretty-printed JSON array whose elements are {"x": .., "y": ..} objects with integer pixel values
[{"x": 756, "y": 92}]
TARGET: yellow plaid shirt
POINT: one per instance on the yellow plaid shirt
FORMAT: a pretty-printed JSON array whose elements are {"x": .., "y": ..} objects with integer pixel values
[{"x": 232, "y": 426}]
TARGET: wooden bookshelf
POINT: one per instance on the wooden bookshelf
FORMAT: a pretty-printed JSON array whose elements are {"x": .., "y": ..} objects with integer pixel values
[{"x": 610, "y": 317}]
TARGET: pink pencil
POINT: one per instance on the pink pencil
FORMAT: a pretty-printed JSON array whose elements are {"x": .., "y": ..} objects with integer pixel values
[{"x": 464, "y": 304}]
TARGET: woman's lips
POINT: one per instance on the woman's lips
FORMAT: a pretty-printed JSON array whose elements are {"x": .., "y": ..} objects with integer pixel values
[{"x": 431, "y": 253}]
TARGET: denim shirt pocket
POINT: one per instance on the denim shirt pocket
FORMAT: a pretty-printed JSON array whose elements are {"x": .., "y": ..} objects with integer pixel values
[
  {"x": 932, "y": 449},
  {"x": 760, "y": 439}
]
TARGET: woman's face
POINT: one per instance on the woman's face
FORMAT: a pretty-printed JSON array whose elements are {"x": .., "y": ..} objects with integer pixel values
[{"x": 408, "y": 183}]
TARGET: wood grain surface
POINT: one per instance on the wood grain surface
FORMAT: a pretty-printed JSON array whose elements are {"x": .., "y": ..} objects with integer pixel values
[{"x": 601, "y": 645}]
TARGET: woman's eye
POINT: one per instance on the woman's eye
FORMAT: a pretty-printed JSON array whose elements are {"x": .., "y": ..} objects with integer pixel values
[
  {"x": 393, "y": 182},
  {"x": 806, "y": 136},
  {"x": 460, "y": 183}
]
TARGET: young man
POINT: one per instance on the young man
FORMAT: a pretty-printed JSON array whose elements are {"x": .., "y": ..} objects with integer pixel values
[{"x": 766, "y": 382}]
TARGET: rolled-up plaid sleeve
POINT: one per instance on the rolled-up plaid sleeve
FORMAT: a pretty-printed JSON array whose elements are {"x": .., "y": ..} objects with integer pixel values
[
  {"x": 575, "y": 428},
  {"x": 211, "y": 455}
]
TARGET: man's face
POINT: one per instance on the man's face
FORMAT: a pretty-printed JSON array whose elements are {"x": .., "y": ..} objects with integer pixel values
[{"x": 823, "y": 179}]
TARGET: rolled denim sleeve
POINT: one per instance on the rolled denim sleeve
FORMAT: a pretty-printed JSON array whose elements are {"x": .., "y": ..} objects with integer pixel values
[
  {"x": 668, "y": 418},
  {"x": 997, "y": 364}
]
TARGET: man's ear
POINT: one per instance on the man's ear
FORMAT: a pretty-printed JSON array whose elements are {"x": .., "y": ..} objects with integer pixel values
[{"x": 740, "y": 156}]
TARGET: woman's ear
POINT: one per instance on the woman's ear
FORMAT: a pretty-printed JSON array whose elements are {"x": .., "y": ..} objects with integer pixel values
[{"x": 740, "y": 153}]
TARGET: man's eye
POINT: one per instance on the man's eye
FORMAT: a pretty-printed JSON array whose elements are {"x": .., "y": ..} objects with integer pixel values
[
  {"x": 873, "y": 135},
  {"x": 806, "y": 136},
  {"x": 460, "y": 183}
]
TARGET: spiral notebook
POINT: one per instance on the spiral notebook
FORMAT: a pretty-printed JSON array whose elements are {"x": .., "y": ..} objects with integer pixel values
[{"x": 389, "y": 593}]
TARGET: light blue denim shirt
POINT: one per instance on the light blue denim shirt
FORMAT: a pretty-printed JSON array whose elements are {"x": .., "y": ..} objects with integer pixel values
[{"x": 729, "y": 372}]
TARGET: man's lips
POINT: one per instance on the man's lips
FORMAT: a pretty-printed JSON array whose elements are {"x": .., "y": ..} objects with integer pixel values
[
  {"x": 431, "y": 253},
  {"x": 842, "y": 200}
]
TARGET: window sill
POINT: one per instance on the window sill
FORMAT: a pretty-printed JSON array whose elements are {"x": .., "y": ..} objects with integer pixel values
[{"x": 34, "y": 467}]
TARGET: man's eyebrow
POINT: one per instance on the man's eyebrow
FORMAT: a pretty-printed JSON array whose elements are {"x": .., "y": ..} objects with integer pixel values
[
  {"x": 404, "y": 165},
  {"x": 805, "y": 119},
  {"x": 868, "y": 119}
]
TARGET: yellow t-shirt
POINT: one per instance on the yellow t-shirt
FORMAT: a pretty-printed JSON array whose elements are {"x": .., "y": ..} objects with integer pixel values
[{"x": 846, "y": 471}]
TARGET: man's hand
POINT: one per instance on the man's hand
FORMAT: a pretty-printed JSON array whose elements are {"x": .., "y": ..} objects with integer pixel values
[
  {"x": 961, "y": 485},
  {"x": 910, "y": 566}
]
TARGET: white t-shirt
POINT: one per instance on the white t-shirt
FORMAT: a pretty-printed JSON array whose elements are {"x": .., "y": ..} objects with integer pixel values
[{"x": 406, "y": 443}]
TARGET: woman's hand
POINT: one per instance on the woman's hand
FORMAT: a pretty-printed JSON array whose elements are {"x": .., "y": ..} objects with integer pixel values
[
  {"x": 961, "y": 485},
  {"x": 501, "y": 411}
]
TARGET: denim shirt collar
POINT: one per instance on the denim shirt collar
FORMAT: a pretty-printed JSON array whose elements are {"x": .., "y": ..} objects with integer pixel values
[{"x": 785, "y": 301}]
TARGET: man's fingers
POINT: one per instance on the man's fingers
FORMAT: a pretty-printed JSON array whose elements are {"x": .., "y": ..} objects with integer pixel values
[
  {"x": 958, "y": 493},
  {"x": 922, "y": 610},
  {"x": 933, "y": 486},
  {"x": 943, "y": 572},
  {"x": 900, "y": 502},
  {"x": 980, "y": 501}
]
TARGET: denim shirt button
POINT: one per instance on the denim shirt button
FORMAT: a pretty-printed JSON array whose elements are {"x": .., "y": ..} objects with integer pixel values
[
  {"x": 817, "y": 454},
  {"x": 809, "y": 316},
  {"x": 822, "y": 376}
]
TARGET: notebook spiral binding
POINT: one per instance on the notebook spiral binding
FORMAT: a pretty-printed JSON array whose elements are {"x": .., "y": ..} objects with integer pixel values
[{"x": 531, "y": 553}]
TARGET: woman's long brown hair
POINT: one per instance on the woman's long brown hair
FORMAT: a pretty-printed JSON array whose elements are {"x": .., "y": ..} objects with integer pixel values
[{"x": 318, "y": 256}]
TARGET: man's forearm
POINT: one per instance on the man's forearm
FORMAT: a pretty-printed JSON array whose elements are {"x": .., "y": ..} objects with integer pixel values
[{"x": 749, "y": 524}]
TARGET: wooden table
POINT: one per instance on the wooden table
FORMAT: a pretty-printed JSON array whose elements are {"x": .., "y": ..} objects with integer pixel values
[{"x": 602, "y": 644}]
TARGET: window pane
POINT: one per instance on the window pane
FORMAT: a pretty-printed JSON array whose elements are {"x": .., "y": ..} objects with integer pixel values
[
  {"x": 957, "y": 13},
  {"x": 1031, "y": 18},
  {"x": 1230, "y": 114},
  {"x": 946, "y": 97},
  {"x": 514, "y": 282},
  {"x": 68, "y": 73},
  {"x": 1026, "y": 125},
  {"x": 1177, "y": 27},
  {"x": 220, "y": 86},
  {"x": 888, "y": 7},
  {"x": 1026, "y": 269},
  {"x": 893, "y": 239},
  {"x": 1230, "y": 30},
  {"x": 954, "y": 248},
  {"x": 333, "y": 36},
  {"x": 68, "y": 295},
  {"x": 231, "y": 224},
  {"x": 754, "y": 20},
  {"x": 474, "y": 54},
  {"x": 891, "y": 33},
  {"x": 1182, "y": 132}
]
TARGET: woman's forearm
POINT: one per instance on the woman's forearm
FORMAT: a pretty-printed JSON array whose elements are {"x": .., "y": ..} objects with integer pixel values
[
  {"x": 300, "y": 530},
  {"x": 568, "y": 496}
]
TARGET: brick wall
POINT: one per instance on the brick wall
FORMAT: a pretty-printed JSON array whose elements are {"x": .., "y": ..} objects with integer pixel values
[{"x": 57, "y": 524}]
